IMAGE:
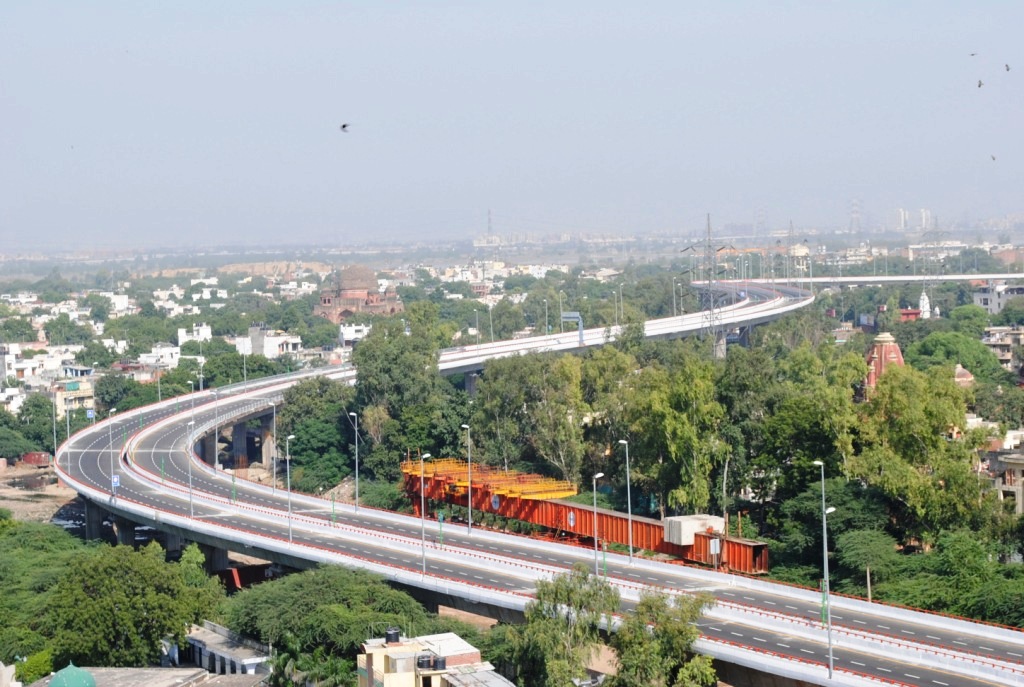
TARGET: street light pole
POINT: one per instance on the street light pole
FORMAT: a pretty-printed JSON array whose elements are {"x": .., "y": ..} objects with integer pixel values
[
  {"x": 110, "y": 440},
  {"x": 629, "y": 501},
  {"x": 546, "y": 326},
  {"x": 561, "y": 326},
  {"x": 469, "y": 466},
  {"x": 288, "y": 471},
  {"x": 597, "y": 570},
  {"x": 191, "y": 440},
  {"x": 273, "y": 457},
  {"x": 355, "y": 417},
  {"x": 423, "y": 514},
  {"x": 824, "y": 560}
]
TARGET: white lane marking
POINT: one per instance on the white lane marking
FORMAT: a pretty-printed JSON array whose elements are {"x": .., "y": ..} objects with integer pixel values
[
  {"x": 807, "y": 651},
  {"x": 933, "y": 637},
  {"x": 885, "y": 669},
  {"x": 1013, "y": 653},
  {"x": 837, "y": 617},
  {"x": 907, "y": 632},
  {"x": 782, "y": 645},
  {"x": 985, "y": 648},
  {"x": 728, "y": 594},
  {"x": 759, "y": 639},
  {"x": 944, "y": 684},
  {"x": 792, "y": 608},
  {"x": 858, "y": 663},
  {"x": 912, "y": 677},
  {"x": 860, "y": 622},
  {"x": 749, "y": 598},
  {"x": 770, "y": 603},
  {"x": 716, "y": 629},
  {"x": 955, "y": 641},
  {"x": 884, "y": 627}
]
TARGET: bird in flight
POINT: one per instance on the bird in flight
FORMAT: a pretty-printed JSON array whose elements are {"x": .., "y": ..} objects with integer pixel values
[
  {"x": 1007, "y": 67},
  {"x": 344, "y": 128},
  {"x": 973, "y": 54},
  {"x": 980, "y": 83},
  {"x": 993, "y": 157}
]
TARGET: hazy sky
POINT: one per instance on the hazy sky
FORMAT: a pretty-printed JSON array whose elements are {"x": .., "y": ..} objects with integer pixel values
[{"x": 194, "y": 123}]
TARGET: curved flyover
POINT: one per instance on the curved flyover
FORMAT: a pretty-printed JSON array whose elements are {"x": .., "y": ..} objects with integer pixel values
[{"x": 161, "y": 481}]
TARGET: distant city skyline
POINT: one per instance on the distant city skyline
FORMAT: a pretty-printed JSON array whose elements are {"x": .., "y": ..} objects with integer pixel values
[{"x": 198, "y": 124}]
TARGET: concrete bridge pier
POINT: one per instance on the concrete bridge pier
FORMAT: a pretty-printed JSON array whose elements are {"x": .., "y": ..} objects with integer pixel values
[
  {"x": 239, "y": 445},
  {"x": 471, "y": 378},
  {"x": 208, "y": 449},
  {"x": 719, "y": 346},
  {"x": 94, "y": 516},
  {"x": 267, "y": 447},
  {"x": 216, "y": 558},
  {"x": 125, "y": 531},
  {"x": 173, "y": 543}
]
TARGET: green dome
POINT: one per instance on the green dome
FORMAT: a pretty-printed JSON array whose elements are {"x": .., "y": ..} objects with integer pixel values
[{"x": 72, "y": 676}]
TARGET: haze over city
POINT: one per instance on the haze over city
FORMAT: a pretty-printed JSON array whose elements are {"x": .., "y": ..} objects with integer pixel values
[{"x": 189, "y": 123}]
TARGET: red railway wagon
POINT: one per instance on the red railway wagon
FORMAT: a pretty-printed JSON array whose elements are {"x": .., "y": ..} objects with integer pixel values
[{"x": 537, "y": 500}]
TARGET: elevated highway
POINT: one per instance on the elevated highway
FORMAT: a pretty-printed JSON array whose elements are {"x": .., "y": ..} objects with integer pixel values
[{"x": 151, "y": 455}]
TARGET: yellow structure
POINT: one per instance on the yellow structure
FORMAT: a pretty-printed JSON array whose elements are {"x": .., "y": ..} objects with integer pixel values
[{"x": 441, "y": 660}]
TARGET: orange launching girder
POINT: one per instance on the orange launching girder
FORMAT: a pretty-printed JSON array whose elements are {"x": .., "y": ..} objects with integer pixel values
[{"x": 534, "y": 499}]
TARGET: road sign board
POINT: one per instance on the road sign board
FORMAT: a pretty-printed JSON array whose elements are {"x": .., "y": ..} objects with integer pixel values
[
  {"x": 90, "y": 413},
  {"x": 115, "y": 481}
]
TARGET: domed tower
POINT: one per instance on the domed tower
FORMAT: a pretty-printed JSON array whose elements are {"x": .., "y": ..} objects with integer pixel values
[
  {"x": 72, "y": 676},
  {"x": 884, "y": 353}
]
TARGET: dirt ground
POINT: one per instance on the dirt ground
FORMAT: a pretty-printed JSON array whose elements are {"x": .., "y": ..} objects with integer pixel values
[{"x": 34, "y": 494}]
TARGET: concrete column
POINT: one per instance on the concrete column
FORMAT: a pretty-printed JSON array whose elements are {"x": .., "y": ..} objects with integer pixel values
[
  {"x": 208, "y": 449},
  {"x": 94, "y": 516},
  {"x": 719, "y": 351},
  {"x": 216, "y": 558},
  {"x": 173, "y": 543},
  {"x": 267, "y": 440},
  {"x": 125, "y": 530},
  {"x": 471, "y": 378},
  {"x": 239, "y": 448}
]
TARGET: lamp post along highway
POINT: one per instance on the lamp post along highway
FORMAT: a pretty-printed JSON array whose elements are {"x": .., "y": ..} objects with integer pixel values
[
  {"x": 110, "y": 440},
  {"x": 288, "y": 473},
  {"x": 546, "y": 328},
  {"x": 423, "y": 514},
  {"x": 191, "y": 442},
  {"x": 469, "y": 477},
  {"x": 629, "y": 501},
  {"x": 355, "y": 418},
  {"x": 273, "y": 457},
  {"x": 824, "y": 561},
  {"x": 597, "y": 569}
]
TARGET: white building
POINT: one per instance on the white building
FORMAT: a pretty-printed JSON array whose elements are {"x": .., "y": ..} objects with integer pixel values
[
  {"x": 199, "y": 332},
  {"x": 163, "y": 355},
  {"x": 268, "y": 343}
]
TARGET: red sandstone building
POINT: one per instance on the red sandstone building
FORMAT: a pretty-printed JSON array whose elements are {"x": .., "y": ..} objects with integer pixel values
[
  {"x": 884, "y": 353},
  {"x": 354, "y": 291}
]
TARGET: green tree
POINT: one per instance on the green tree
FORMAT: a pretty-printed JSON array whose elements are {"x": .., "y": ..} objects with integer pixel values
[
  {"x": 950, "y": 348},
  {"x": 654, "y": 644},
  {"x": 116, "y": 605},
  {"x": 864, "y": 554},
  {"x": 14, "y": 445},
  {"x": 562, "y": 629},
  {"x": 62, "y": 331},
  {"x": 35, "y": 421}
]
